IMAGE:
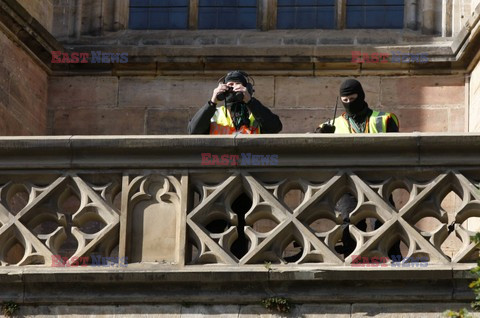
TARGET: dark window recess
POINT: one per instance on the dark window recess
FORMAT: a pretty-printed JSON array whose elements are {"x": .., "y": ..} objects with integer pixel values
[
  {"x": 306, "y": 14},
  {"x": 227, "y": 14},
  {"x": 158, "y": 14},
  {"x": 375, "y": 14}
]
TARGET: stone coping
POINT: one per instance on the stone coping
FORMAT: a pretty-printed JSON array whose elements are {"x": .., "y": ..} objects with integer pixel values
[
  {"x": 134, "y": 271},
  {"x": 402, "y": 150},
  {"x": 39, "y": 286}
]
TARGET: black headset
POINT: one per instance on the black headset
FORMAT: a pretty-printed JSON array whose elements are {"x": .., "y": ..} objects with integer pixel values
[{"x": 250, "y": 81}]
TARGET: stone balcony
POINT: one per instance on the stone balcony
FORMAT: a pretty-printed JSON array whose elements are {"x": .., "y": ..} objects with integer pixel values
[{"x": 178, "y": 223}]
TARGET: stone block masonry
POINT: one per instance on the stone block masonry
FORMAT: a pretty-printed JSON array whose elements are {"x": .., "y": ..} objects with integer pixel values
[
  {"x": 23, "y": 91},
  {"x": 164, "y": 104}
]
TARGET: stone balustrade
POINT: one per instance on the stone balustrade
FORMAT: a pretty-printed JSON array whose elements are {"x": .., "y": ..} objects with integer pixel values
[{"x": 265, "y": 219}]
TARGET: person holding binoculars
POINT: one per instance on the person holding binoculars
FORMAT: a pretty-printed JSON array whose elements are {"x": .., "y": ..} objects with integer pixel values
[{"x": 242, "y": 113}]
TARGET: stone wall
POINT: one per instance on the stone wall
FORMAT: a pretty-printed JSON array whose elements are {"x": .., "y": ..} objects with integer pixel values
[
  {"x": 164, "y": 104},
  {"x": 42, "y": 11},
  {"x": 474, "y": 111},
  {"x": 23, "y": 91}
]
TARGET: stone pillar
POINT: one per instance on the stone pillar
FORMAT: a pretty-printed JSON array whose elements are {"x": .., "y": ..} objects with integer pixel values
[
  {"x": 474, "y": 100},
  {"x": 341, "y": 14},
  {"x": 461, "y": 13},
  {"x": 447, "y": 12},
  {"x": 193, "y": 15},
  {"x": 411, "y": 16},
  {"x": 78, "y": 18},
  {"x": 267, "y": 15},
  {"x": 120, "y": 21},
  {"x": 428, "y": 17},
  {"x": 64, "y": 22}
]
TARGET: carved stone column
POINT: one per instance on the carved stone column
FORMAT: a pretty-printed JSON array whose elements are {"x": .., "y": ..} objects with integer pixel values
[{"x": 428, "y": 17}]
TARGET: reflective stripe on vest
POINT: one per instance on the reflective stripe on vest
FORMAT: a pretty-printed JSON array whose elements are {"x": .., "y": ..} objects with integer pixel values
[
  {"x": 222, "y": 124},
  {"x": 377, "y": 123}
]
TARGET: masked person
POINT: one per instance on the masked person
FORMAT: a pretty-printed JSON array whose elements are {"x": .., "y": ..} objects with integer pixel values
[
  {"x": 358, "y": 118},
  {"x": 242, "y": 113}
]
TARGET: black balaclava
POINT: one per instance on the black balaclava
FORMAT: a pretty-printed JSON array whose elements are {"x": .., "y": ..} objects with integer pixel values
[
  {"x": 234, "y": 102},
  {"x": 358, "y": 106}
]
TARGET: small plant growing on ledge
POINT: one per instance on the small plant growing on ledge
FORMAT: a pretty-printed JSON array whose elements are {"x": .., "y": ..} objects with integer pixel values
[
  {"x": 9, "y": 308},
  {"x": 462, "y": 313},
  {"x": 279, "y": 304},
  {"x": 475, "y": 286},
  {"x": 268, "y": 265}
]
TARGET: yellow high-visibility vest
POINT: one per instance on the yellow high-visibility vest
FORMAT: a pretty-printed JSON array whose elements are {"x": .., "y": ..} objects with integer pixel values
[
  {"x": 376, "y": 123},
  {"x": 222, "y": 124}
]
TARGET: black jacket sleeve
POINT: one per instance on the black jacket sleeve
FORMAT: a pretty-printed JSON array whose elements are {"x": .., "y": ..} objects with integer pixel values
[
  {"x": 269, "y": 122},
  {"x": 200, "y": 123}
]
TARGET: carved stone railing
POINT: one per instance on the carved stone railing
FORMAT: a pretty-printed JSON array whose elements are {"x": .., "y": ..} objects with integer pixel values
[{"x": 66, "y": 202}]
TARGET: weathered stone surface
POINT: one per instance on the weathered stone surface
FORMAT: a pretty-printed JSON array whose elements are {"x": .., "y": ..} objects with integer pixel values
[
  {"x": 63, "y": 19},
  {"x": 313, "y": 97},
  {"x": 405, "y": 150},
  {"x": 82, "y": 91},
  {"x": 98, "y": 121},
  {"x": 299, "y": 310},
  {"x": 148, "y": 311},
  {"x": 23, "y": 91},
  {"x": 40, "y": 10},
  {"x": 316, "y": 92},
  {"x": 457, "y": 119},
  {"x": 85, "y": 311},
  {"x": 154, "y": 218},
  {"x": 221, "y": 311},
  {"x": 406, "y": 310},
  {"x": 164, "y": 92},
  {"x": 265, "y": 90},
  {"x": 422, "y": 119},
  {"x": 303, "y": 120},
  {"x": 422, "y": 90},
  {"x": 168, "y": 122},
  {"x": 10, "y": 125},
  {"x": 474, "y": 107},
  {"x": 355, "y": 310}
]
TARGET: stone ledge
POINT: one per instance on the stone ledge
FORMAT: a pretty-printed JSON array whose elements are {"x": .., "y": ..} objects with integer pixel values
[
  {"x": 187, "y": 310},
  {"x": 254, "y": 37},
  {"x": 217, "y": 287},
  {"x": 293, "y": 150},
  {"x": 285, "y": 52}
]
